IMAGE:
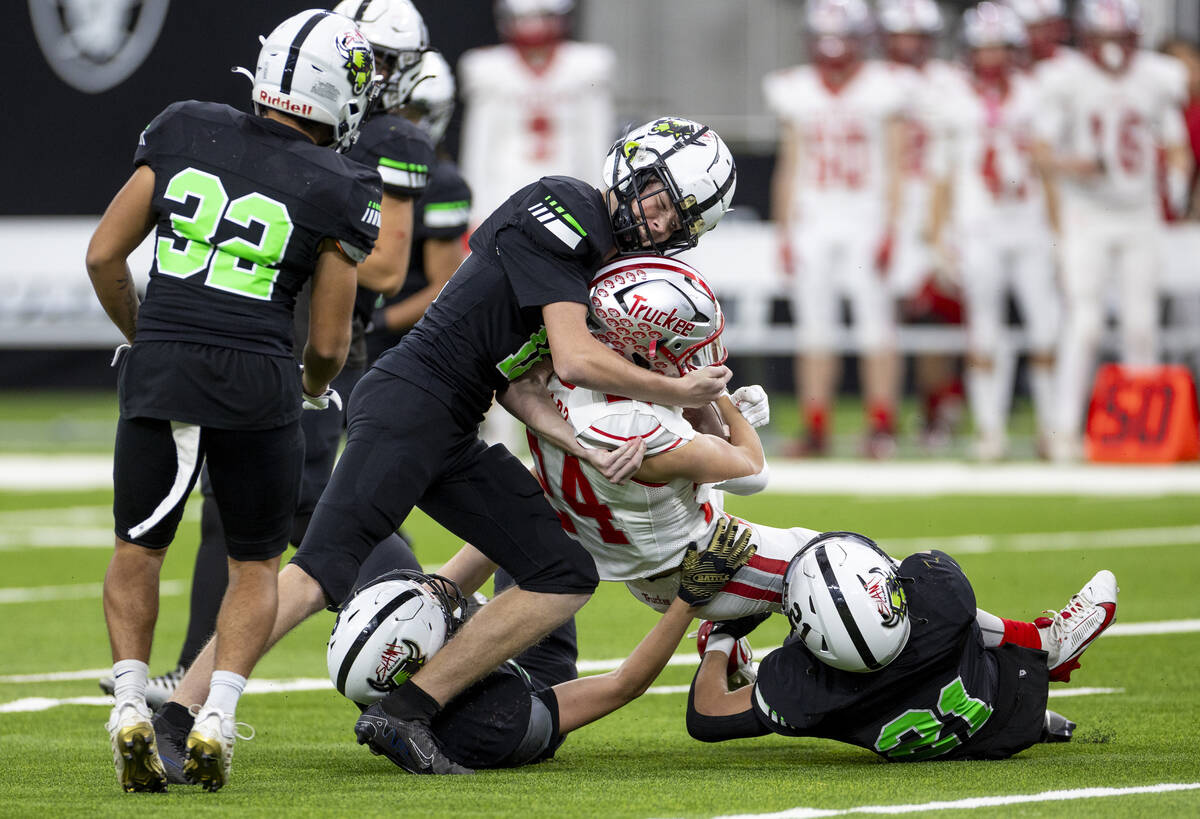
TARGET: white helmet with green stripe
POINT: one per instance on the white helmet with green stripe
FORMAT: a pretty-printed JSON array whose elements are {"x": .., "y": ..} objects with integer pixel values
[{"x": 686, "y": 158}]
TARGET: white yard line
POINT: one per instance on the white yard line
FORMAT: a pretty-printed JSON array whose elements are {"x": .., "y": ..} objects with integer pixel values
[
  {"x": 44, "y": 472},
  {"x": 975, "y": 802},
  {"x": 78, "y": 591},
  {"x": 1048, "y": 541}
]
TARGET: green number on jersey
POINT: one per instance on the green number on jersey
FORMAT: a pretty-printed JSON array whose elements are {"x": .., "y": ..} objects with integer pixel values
[
  {"x": 927, "y": 726},
  {"x": 234, "y": 265}
]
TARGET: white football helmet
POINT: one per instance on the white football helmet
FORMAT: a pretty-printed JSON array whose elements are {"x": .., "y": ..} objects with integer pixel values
[
  {"x": 910, "y": 17},
  {"x": 1037, "y": 11},
  {"x": 1108, "y": 18},
  {"x": 398, "y": 35},
  {"x": 843, "y": 597},
  {"x": 316, "y": 65},
  {"x": 992, "y": 24},
  {"x": 686, "y": 158},
  {"x": 657, "y": 312},
  {"x": 388, "y": 629},
  {"x": 432, "y": 98}
]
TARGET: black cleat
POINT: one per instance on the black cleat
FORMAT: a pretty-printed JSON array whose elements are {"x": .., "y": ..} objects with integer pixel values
[
  {"x": 407, "y": 743},
  {"x": 1057, "y": 728},
  {"x": 172, "y": 749}
]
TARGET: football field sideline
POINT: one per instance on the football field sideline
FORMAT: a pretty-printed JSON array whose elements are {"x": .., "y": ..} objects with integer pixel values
[{"x": 27, "y": 473}]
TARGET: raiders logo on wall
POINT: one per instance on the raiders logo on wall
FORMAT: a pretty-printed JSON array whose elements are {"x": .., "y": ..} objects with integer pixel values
[{"x": 94, "y": 45}]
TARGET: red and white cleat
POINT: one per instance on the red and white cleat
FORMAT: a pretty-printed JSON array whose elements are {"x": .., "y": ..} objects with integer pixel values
[{"x": 1069, "y": 632}]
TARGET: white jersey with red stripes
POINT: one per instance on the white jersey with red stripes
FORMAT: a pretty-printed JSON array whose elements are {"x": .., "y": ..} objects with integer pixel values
[
  {"x": 638, "y": 532},
  {"x": 842, "y": 159},
  {"x": 1119, "y": 119}
]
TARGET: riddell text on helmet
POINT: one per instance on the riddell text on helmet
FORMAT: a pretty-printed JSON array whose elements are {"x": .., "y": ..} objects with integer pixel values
[{"x": 303, "y": 109}]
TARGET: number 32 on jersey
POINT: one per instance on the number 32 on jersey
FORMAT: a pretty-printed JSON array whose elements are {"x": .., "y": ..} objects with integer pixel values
[{"x": 233, "y": 265}]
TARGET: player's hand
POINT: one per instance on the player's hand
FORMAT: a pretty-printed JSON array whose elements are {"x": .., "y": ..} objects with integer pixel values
[
  {"x": 620, "y": 464},
  {"x": 704, "y": 385},
  {"x": 322, "y": 401},
  {"x": 736, "y": 629},
  {"x": 752, "y": 403},
  {"x": 706, "y": 573},
  {"x": 729, "y": 638}
]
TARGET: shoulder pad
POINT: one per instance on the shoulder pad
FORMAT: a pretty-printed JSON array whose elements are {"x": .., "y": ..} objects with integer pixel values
[
  {"x": 399, "y": 150},
  {"x": 623, "y": 419},
  {"x": 565, "y": 216}
]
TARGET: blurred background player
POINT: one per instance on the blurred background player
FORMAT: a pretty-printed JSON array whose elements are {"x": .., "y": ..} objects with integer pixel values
[
  {"x": 402, "y": 155},
  {"x": 995, "y": 207},
  {"x": 835, "y": 196},
  {"x": 210, "y": 375},
  {"x": 1109, "y": 117},
  {"x": 538, "y": 104},
  {"x": 440, "y": 217},
  {"x": 910, "y": 31}
]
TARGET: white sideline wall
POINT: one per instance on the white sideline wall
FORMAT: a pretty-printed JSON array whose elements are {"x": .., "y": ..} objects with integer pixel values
[{"x": 46, "y": 300}]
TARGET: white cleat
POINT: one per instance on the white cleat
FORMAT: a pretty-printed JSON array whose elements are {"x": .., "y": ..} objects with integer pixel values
[
  {"x": 1069, "y": 632},
  {"x": 135, "y": 754},
  {"x": 209, "y": 749}
]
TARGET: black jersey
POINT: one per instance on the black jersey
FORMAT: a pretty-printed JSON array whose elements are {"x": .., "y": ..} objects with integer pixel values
[
  {"x": 485, "y": 327},
  {"x": 242, "y": 204},
  {"x": 487, "y": 725},
  {"x": 403, "y": 155},
  {"x": 944, "y": 696}
]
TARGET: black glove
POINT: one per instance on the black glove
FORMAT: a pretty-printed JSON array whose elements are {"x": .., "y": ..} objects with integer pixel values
[
  {"x": 741, "y": 627},
  {"x": 705, "y": 573}
]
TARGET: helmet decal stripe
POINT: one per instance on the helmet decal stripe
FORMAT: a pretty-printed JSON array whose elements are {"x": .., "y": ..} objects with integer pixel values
[
  {"x": 289, "y": 67},
  {"x": 843, "y": 609},
  {"x": 362, "y": 9},
  {"x": 365, "y": 634}
]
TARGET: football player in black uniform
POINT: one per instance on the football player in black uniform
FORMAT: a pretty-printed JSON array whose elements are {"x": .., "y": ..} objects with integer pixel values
[
  {"x": 521, "y": 295},
  {"x": 246, "y": 210},
  {"x": 402, "y": 153},
  {"x": 897, "y": 659}
]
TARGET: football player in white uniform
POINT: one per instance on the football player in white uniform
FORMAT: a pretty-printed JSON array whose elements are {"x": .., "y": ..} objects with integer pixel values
[
  {"x": 997, "y": 202},
  {"x": 536, "y": 105},
  {"x": 1111, "y": 115},
  {"x": 910, "y": 30},
  {"x": 660, "y": 314},
  {"x": 835, "y": 196}
]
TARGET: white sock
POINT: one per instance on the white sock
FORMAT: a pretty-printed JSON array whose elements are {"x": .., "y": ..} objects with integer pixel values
[
  {"x": 982, "y": 391},
  {"x": 224, "y": 691},
  {"x": 991, "y": 628},
  {"x": 129, "y": 680}
]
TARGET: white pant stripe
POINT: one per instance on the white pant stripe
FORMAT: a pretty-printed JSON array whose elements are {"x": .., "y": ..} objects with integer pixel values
[{"x": 187, "y": 449}]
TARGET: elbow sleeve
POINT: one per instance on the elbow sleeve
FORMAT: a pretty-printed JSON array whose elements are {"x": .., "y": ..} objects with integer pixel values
[
  {"x": 707, "y": 728},
  {"x": 748, "y": 485}
]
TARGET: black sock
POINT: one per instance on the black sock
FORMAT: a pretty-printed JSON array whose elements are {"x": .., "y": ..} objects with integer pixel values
[
  {"x": 410, "y": 702},
  {"x": 177, "y": 716},
  {"x": 209, "y": 579}
]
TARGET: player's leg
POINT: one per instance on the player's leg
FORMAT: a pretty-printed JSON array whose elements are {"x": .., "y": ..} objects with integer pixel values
[
  {"x": 155, "y": 466},
  {"x": 1137, "y": 280},
  {"x": 815, "y": 307},
  {"x": 1086, "y": 262},
  {"x": 256, "y": 481},
  {"x": 552, "y": 659},
  {"x": 1037, "y": 297},
  {"x": 983, "y": 291},
  {"x": 875, "y": 330}
]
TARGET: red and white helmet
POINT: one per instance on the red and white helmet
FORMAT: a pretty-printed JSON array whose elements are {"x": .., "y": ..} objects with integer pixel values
[
  {"x": 838, "y": 32},
  {"x": 658, "y": 313},
  {"x": 989, "y": 26},
  {"x": 1109, "y": 30},
  {"x": 1037, "y": 11},
  {"x": 1045, "y": 25},
  {"x": 910, "y": 29},
  {"x": 318, "y": 66}
]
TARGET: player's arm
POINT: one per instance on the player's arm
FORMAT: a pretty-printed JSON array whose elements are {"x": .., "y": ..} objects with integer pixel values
[
  {"x": 708, "y": 458},
  {"x": 442, "y": 257},
  {"x": 714, "y": 713},
  {"x": 333, "y": 287},
  {"x": 528, "y": 400},
  {"x": 383, "y": 271},
  {"x": 783, "y": 181},
  {"x": 127, "y": 221},
  {"x": 588, "y": 699},
  {"x": 581, "y": 359},
  {"x": 469, "y": 568}
]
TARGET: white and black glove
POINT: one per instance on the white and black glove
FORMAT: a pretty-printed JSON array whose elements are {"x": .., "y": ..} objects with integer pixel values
[
  {"x": 752, "y": 403},
  {"x": 322, "y": 401}
]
